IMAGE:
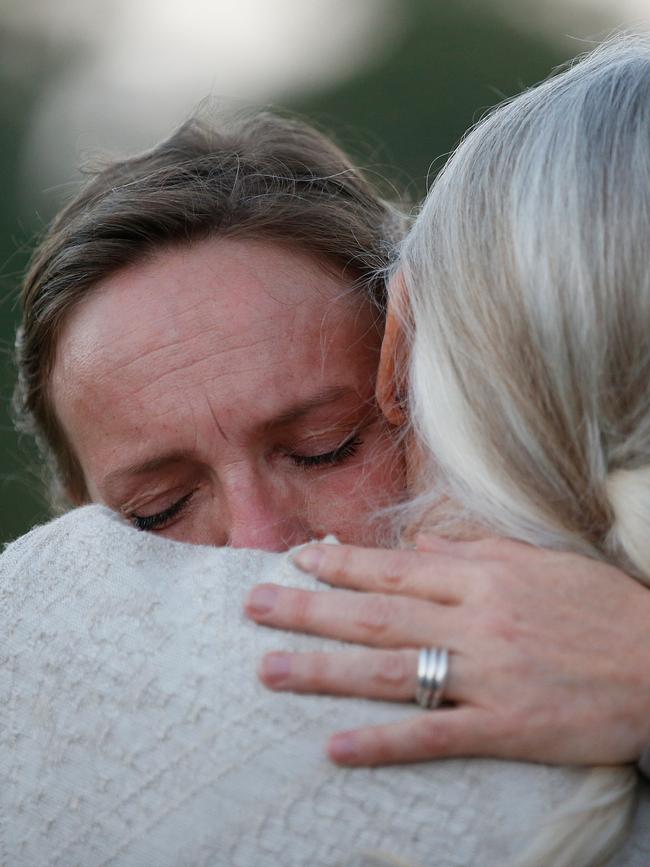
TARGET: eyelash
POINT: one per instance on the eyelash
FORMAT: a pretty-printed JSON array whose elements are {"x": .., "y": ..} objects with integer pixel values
[
  {"x": 160, "y": 519},
  {"x": 338, "y": 455}
]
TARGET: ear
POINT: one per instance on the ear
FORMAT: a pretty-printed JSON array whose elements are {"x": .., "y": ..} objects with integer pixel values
[{"x": 391, "y": 388}]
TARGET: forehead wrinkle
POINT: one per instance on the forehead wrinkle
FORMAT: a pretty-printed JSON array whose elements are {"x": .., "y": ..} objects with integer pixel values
[
  {"x": 215, "y": 419},
  {"x": 210, "y": 356},
  {"x": 220, "y": 341}
]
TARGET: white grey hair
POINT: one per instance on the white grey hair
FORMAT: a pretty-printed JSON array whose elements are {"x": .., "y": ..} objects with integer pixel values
[{"x": 528, "y": 284}]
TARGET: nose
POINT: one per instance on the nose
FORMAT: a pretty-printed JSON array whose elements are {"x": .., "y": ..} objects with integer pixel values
[{"x": 264, "y": 519}]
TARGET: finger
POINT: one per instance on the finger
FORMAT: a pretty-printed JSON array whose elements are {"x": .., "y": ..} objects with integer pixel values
[
  {"x": 436, "y": 544},
  {"x": 445, "y": 733},
  {"x": 390, "y": 675},
  {"x": 409, "y": 573},
  {"x": 363, "y": 618},
  {"x": 381, "y": 674},
  {"x": 488, "y": 548}
]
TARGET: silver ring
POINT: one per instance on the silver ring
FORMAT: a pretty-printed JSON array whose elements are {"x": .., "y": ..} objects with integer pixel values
[{"x": 433, "y": 671}]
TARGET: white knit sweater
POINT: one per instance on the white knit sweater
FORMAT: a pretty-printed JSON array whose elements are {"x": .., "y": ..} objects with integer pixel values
[{"x": 134, "y": 732}]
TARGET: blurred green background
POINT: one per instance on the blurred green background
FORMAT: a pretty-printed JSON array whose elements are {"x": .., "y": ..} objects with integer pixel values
[{"x": 435, "y": 67}]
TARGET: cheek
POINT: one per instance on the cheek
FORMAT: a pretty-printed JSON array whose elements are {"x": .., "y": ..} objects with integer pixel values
[{"x": 344, "y": 502}]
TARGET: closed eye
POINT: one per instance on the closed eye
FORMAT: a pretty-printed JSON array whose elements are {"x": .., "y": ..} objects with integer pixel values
[
  {"x": 160, "y": 519},
  {"x": 338, "y": 455}
]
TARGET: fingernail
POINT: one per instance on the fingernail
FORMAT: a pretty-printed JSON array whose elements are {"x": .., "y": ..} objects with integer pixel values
[
  {"x": 343, "y": 748},
  {"x": 276, "y": 667},
  {"x": 261, "y": 600},
  {"x": 308, "y": 559}
]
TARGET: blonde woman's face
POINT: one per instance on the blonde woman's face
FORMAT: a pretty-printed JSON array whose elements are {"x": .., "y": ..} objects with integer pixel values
[{"x": 223, "y": 393}]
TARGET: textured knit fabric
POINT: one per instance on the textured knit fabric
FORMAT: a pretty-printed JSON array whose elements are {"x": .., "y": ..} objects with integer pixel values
[{"x": 133, "y": 730}]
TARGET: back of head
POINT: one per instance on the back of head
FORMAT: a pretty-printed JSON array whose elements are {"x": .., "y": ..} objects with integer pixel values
[
  {"x": 530, "y": 296},
  {"x": 529, "y": 293}
]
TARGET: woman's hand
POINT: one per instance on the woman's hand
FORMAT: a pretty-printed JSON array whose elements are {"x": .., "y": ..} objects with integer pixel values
[{"x": 549, "y": 652}]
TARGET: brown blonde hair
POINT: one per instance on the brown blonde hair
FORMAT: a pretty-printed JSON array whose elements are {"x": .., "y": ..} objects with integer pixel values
[{"x": 253, "y": 175}]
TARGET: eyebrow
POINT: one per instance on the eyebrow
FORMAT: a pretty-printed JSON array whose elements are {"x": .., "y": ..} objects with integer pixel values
[
  {"x": 142, "y": 467},
  {"x": 299, "y": 410},
  {"x": 288, "y": 416}
]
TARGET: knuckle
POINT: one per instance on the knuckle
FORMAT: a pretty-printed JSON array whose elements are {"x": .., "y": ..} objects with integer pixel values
[
  {"x": 393, "y": 669},
  {"x": 301, "y": 608},
  {"x": 377, "y": 615},
  {"x": 342, "y": 562},
  {"x": 392, "y": 581}
]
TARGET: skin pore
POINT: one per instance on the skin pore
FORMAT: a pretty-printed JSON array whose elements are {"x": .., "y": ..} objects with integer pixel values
[{"x": 222, "y": 392}]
